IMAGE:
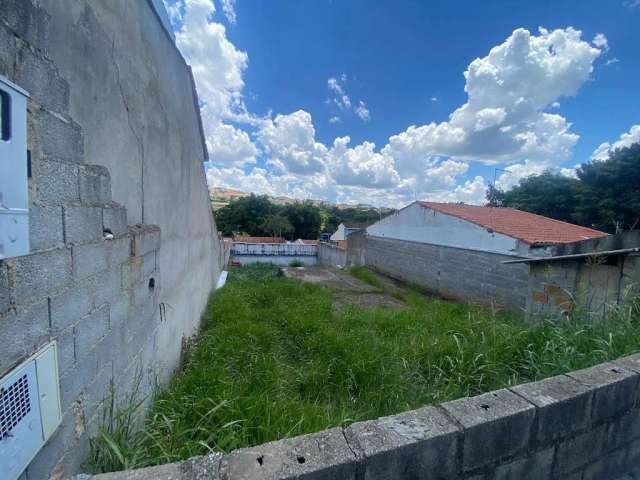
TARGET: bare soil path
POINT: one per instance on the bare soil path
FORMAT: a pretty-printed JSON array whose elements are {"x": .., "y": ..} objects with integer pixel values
[{"x": 348, "y": 290}]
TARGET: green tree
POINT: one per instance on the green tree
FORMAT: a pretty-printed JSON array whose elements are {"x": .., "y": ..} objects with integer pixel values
[
  {"x": 277, "y": 225},
  {"x": 245, "y": 215},
  {"x": 495, "y": 197},
  {"x": 609, "y": 192},
  {"x": 549, "y": 194},
  {"x": 305, "y": 219}
]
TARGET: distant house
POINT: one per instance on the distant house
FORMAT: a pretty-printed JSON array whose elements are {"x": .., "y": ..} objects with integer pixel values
[
  {"x": 301, "y": 241},
  {"x": 249, "y": 239},
  {"x": 457, "y": 250},
  {"x": 346, "y": 229}
]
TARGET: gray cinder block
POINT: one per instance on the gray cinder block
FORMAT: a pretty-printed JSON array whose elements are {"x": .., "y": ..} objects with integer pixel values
[
  {"x": 610, "y": 466},
  {"x": 95, "y": 184},
  {"x": 90, "y": 330},
  {"x": 39, "y": 273},
  {"x": 89, "y": 259},
  {"x": 23, "y": 332},
  {"x": 564, "y": 406},
  {"x": 82, "y": 224},
  {"x": 319, "y": 456},
  {"x": 114, "y": 219},
  {"x": 45, "y": 227},
  {"x": 56, "y": 182},
  {"x": 66, "y": 349},
  {"x": 70, "y": 306},
  {"x": 417, "y": 444},
  {"x": 5, "y": 288},
  {"x": 536, "y": 466},
  {"x": 496, "y": 425},
  {"x": 614, "y": 389},
  {"x": 170, "y": 471},
  {"x": 203, "y": 468},
  {"x": 146, "y": 238},
  {"x": 55, "y": 137},
  {"x": 580, "y": 450}
]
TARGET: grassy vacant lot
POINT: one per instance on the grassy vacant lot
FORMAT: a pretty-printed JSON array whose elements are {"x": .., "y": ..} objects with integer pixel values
[{"x": 275, "y": 360}]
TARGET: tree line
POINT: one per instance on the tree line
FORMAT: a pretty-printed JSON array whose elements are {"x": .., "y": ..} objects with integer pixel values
[
  {"x": 605, "y": 195},
  {"x": 256, "y": 215}
]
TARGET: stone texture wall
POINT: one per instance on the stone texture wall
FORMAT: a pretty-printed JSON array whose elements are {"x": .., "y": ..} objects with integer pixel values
[
  {"x": 584, "y": 425},
  {"x": 124, "y": 251},
  {"x": 593, "y": 284},
  {"x": 331, "y": 256},
  {"x": 451, "y": 272}
]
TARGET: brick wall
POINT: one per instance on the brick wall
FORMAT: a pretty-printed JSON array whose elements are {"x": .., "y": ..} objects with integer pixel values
[
  {"x": 584, "y": 425},
  {"x": 452, "y": 272}
]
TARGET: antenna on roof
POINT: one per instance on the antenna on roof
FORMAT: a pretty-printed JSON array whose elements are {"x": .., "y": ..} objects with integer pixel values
[{"x": 495, "y": 173}]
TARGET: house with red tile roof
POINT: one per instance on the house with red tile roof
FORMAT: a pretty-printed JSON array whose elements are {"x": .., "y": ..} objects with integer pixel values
[
  {"x": 493, "y": 229},
  {"x": 458, "y": 250}
]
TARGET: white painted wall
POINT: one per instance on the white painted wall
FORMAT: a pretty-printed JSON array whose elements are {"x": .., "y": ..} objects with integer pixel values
[
  {"x": 420, "y": 224},
  {"x": 276, "y": 249},
  {"x": 339, "y": 234}
]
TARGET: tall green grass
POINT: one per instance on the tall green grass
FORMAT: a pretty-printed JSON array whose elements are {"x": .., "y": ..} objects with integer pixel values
[{"x": 275, "y": 360}]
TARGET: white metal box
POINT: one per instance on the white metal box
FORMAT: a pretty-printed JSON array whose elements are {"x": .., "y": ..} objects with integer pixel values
[
  {"x": 14, "y": 200},
  {"x": 29, "y": 410}
]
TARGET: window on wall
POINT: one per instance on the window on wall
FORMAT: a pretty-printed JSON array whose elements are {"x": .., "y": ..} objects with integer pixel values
[{"x": 5, "y": 116}]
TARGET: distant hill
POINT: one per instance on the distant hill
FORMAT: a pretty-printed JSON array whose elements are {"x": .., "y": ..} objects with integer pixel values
[{"x": 221, "y": 197}]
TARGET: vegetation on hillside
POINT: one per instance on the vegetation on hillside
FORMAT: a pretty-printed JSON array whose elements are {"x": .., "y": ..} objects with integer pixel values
[
  {"x": 605, "y": 196},
  {"x": 276, "y": 358},
  {"x": 258, "y": 216}
]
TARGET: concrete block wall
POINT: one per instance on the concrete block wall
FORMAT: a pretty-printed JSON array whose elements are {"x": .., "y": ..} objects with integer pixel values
[
  {"x": 591, "y": 284},
  {"x": 330, "y": 255},
  {"x": 451, "y": 272},
  {"x": 356, "y": 247},
  {"x": 118, "y": 298},
  {"x": 583, "y": 425}
]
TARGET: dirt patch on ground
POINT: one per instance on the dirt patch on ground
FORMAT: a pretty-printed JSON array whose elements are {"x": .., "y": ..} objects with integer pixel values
[{"x": 348, "y": 290}]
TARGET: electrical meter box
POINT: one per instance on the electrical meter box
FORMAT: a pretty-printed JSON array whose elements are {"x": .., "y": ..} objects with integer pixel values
[
  {"x": 14, "y": 199},
  {"x": 29, "y": 410}
]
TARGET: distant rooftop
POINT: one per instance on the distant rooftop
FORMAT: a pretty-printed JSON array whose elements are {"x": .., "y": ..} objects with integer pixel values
[
  {"x": 527, "y": 227},
  {"x": 248, "y": 239}
]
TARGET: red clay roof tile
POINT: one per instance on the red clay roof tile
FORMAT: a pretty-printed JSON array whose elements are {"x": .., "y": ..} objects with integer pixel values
[{"x": 527, "y": 227}]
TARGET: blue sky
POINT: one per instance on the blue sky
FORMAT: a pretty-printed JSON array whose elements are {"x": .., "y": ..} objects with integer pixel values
[{"x": 284, "y": 83}]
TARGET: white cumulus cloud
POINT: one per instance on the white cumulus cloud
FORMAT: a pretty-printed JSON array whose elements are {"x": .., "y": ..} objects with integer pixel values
[
  {"x": 341, "y": 99},
  {"x": 362, "y": 111},
  {"x": 503, "y": 122},
  {"x": 229, "y": 9},
  {"x": 504, "y": 119},
  {"x": 626, "y": 140}
]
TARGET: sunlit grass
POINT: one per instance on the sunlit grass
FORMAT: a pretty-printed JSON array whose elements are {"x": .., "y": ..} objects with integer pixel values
[{"x": 275, "y": 359}]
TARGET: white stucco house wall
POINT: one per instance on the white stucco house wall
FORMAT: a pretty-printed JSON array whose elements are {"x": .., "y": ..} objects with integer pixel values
[
  {"x": 505, "y": 231},
  {"x": 344, "y": 230}
]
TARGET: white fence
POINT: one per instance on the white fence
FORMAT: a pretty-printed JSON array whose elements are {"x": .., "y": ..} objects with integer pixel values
[{"x": 274, "y": 249}]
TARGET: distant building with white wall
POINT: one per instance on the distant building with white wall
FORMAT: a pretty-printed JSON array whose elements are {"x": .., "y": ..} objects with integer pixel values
[
  {"x": 458, "y": 250},
  {"x": 346, "y": 229},
  {"x": 500, "y": 230}
]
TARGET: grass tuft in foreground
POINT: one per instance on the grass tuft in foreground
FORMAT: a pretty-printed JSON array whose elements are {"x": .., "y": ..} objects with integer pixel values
[{"x": 275, "y": 360}]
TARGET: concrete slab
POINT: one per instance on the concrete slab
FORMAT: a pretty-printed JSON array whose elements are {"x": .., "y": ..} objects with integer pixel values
[{"x": 348, "y": 289}]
